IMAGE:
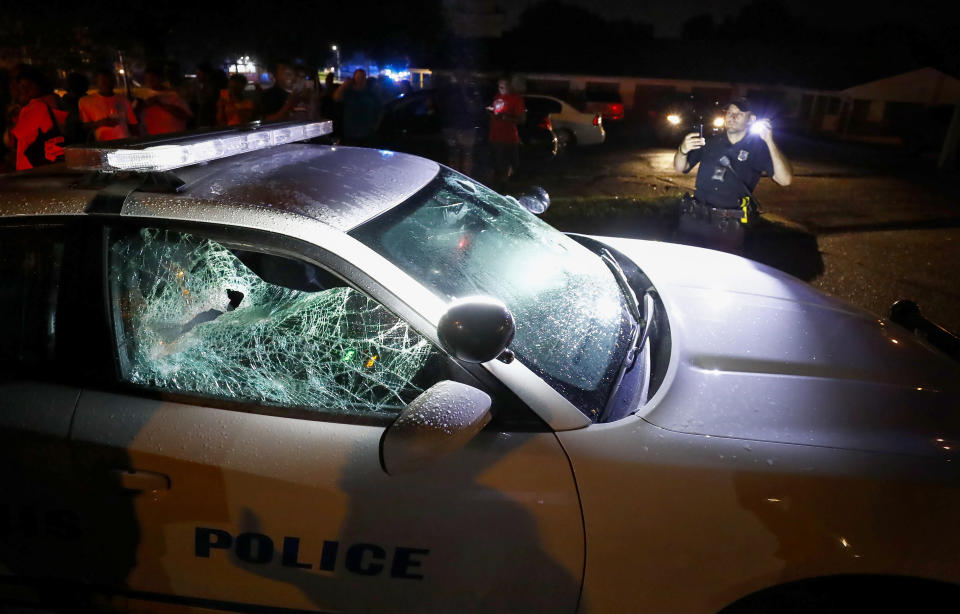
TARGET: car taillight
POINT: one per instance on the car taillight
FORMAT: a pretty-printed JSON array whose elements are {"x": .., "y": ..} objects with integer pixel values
[
  {"x": 596, "y": 119},
  {"x": 546, "y": 124}
]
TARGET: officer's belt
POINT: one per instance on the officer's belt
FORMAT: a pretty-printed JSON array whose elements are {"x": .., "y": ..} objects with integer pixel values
[{"x": 694, "y": 203}]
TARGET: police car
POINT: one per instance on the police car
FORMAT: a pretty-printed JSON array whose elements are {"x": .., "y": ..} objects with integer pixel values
[{"x": 245, "y": 373}]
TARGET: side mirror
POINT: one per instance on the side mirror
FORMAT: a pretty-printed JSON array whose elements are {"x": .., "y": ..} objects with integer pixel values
[
  {"x": 535, "y": 200},
  {"x": 476, "y": 329},
  {"x": 441, "y": 420}
]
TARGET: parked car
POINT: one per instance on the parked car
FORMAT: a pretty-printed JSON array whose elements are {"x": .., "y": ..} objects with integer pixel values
[
  {"x": 571, "y": 126},
  {"x": 607, "y": 103},
  {"x": 242, "y": 373},
  {"x": 414, "y": 124}
]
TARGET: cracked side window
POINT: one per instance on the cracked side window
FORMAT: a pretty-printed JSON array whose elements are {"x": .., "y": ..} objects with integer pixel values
[{"x": 193, "y": 316}]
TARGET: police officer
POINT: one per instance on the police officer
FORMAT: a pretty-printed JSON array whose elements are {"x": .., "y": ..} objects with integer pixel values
[{"x": 731, "y": 164}]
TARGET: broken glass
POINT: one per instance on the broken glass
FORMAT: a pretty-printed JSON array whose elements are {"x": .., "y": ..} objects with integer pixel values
[
  {"x": 459, "y": 238},
  {"x": 193, "y": 318}
]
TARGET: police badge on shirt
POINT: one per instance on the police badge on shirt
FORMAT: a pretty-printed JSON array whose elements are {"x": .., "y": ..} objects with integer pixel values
[{"x": 729, "y": 171}]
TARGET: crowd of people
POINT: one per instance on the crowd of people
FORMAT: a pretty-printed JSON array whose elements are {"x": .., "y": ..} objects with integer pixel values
[{"x": 38, "y": 121}]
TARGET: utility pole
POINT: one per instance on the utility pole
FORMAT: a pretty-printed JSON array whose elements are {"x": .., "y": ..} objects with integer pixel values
[{"x": 124, "y": 83}]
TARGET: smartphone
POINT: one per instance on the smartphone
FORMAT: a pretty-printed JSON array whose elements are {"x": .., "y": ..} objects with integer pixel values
[{"x": 698, "y": 128}]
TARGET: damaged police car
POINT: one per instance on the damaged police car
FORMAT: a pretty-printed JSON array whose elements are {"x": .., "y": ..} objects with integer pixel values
[{"x": 241, "y": 373}]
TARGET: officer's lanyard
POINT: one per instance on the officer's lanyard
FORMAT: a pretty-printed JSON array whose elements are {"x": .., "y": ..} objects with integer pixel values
[{"x": 745, "y": 201}]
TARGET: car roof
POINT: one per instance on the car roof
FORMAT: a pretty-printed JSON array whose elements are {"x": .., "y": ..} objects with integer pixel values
[
  {"x": 339, "y": 186},
  {"x": 548, "y": 97}
]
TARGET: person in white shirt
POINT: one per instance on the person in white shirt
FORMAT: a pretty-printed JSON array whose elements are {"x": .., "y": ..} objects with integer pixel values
[{"x": 104, "y": 114}]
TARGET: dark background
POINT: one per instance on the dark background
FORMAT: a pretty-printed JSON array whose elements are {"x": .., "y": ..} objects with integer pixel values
[{"x": 815, "y": 43}]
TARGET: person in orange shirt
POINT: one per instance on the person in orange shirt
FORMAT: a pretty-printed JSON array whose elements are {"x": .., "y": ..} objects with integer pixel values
[
  {"x": 164, "y": 111},
  {"x": 234, "y": 107},
  {"x": 106, "y": 115}
]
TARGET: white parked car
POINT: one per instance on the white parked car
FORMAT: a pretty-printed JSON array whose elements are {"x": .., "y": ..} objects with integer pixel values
[
  {"x": 313, "y": 379},
  {"x": 572, "y": 127}
]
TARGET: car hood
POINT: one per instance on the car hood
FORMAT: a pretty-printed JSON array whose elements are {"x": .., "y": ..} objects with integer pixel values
[{"x": 758, "y": 354}]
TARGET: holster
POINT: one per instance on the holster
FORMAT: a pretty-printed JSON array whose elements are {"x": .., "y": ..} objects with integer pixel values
[{"x": 747, "y": 213}]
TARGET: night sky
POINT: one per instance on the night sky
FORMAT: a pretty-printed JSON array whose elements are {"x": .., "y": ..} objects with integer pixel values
[
  {"x": 667, "y": 16},
  {"x": 904, "y": 35}
]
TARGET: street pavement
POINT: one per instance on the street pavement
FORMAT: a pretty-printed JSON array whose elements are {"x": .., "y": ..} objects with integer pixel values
[{"x": 865, "y": 223}]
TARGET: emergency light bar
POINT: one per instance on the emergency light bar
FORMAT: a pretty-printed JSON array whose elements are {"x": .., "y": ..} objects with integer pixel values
[{"x": 165, "y": 155}]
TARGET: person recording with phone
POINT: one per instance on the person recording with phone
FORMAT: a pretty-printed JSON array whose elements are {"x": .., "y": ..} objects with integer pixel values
[
  {"x": 507, "y": 112},
  {"x": 731, "y": 165},
  {"x": 280, "y": 102}
]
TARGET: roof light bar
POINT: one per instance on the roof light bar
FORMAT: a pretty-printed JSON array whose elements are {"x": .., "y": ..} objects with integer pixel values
[{"x": 165, "y": 155}]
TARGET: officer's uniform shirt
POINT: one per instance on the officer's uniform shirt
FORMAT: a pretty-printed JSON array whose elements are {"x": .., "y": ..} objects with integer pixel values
[{"x": 716, "y": 184}]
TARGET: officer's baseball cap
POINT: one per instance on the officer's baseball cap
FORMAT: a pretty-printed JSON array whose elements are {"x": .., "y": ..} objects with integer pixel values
[{"x": 741, "y": 103}]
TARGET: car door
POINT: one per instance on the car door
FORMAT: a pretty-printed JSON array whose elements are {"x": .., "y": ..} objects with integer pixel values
[
  {"x": 41, "y": 357},
  {"x": 246, "y": 442}
]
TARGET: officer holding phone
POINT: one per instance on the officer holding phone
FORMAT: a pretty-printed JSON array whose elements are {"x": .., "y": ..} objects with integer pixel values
[{"x": 731, "y": 164}]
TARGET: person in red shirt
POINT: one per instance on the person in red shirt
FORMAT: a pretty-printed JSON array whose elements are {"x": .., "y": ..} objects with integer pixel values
[
  {"x": 39, "y": 127},
  {"x": 13, "y": 104},
  {"x": 164, "y": 111},
  {"x": 506, "y": 112}
]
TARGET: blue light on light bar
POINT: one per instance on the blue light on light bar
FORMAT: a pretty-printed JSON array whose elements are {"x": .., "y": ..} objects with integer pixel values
[{"x": 189, "y": 150}]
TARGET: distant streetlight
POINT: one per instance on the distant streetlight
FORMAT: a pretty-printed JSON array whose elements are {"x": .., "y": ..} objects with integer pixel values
[{"x": 336, "y": 50}]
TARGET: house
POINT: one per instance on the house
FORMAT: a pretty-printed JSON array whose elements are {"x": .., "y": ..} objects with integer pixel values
[{"x": 896, "y": 107}]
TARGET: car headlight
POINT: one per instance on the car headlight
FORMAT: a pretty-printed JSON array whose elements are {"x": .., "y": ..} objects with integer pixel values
[
  {"x": 673, "y": 118},
  {"x": 718, "y": 122}
]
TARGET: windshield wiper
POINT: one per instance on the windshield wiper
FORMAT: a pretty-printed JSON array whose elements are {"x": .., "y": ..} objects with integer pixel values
[
  {"x": 649, "y": 307},
  {"x": 640, "y": 333}
]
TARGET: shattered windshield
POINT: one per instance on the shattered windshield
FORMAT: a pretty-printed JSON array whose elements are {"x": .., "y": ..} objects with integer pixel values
[
  {"x": 459, "y": 239},
  {"x": 192, "y": 317}
]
